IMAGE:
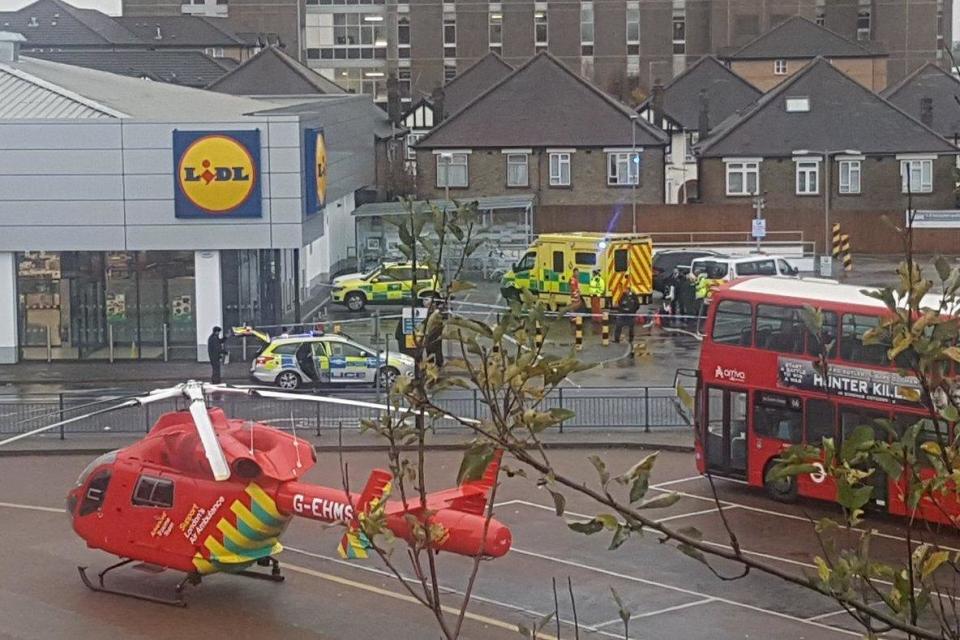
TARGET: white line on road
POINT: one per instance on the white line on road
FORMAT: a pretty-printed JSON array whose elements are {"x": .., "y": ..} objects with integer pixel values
[
  {"x": 827, "y": 615},
  {"x": 677, "y": 481},
  {"x": 694, "y": 513},
  {"x": 678, "y": 607},
  {"x": 669, "y": 587},
  {"x": 30, "y": 507}
]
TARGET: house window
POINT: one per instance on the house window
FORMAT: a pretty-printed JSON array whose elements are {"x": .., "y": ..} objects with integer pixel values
[
  {"x": 449, "y": 35},
  {"x": 452, "y": 170},
  {"x": 679, "y": 33},
  {"x": 939, "y": 28},
  {"x": 780, "y": 67},
  {"x": 517, "y": 175},
  {"x": 633, "y": 28},
  {"x": 863, "y": 24},
  {"x": 559, "y": 169},
  {"x": 849, "y": 176},
  {"x": 496, "y": 30},
  {"x": 623, "y": 168},
  {"x": 449, "y": 70},
  {"x": 797, "y": 105},
  {"x": 412, "y": 140},
  {"x": 586, "y": 28},
  {"x": 540, "y": 29},
  {"x": 403, "y": 37},
  {"x": 916, "y": 176},
  {"x": 821, "y": 17},
  {"x": 404, "y": 83},
  {"x": 808, "y": 172},
  {"x": 743, "y": 177}
]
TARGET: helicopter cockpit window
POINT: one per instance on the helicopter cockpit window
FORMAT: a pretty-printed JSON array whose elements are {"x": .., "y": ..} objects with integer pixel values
[
  {"x": 107, "y": 458},
  {"x": 96, "y": 492},
  {"x": 153, "y": 492}
]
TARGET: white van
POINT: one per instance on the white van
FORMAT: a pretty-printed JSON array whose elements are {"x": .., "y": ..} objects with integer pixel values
[{"x": 730, "y": 268}]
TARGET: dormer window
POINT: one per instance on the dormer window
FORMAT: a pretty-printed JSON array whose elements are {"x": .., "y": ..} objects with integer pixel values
[
  {"x": 797, "y": 105},
  {"x": 33, "y": 22}
]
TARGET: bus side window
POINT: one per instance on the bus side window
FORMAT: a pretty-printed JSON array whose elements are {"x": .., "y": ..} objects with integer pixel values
[
  {"x": 821, "y": 421},
  {"x": 928, "y": 433},
  {"x": 852, "y": 348},
  {"x": 779, "y": 417},
  {"x": 853, "y": 417},
  {"x": 779, "y": 328},
  {"x": 827, "y": 338},
  {"x": 733, "y": 323}
]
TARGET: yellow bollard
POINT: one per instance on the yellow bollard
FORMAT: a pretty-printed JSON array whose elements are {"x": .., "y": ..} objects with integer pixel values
[
  {"x": 538, "y": 335},
  {"x": 605, "y": 329},
  {"x": 337, "y": 329},
  {"x": 836, "y": 240},
  {"x": 578, "y": 332},
  {"x": 845, "y": 250}
]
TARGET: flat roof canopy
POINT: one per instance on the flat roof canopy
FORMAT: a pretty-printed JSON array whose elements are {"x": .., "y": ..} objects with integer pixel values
[{"x": 490, "y": 203}]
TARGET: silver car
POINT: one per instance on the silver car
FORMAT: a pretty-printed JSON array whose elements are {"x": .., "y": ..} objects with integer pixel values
[{"x": 292, "y": 361}]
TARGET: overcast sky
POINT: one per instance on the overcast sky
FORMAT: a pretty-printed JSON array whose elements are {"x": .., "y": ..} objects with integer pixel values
[{"x": 113, "y": 7}]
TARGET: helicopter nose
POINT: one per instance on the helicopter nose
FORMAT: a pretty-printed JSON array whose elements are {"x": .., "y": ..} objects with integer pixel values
[{"x": 71, "y": 503}]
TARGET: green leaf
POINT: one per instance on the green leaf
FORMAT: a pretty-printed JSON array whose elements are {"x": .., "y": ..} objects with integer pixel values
[
  {"x": 693, "y": 552},
  {"x": 619, "y": 537},
  {"x": 639, "y": 488},
  {"x": 933, "y": 562},
  {"x": 685, "y": 398},
  {"x": 609, "y": 521},
  {"x": 889, "y": 463},
  {"x": 691, "y": 532},
  {"x": 589, "y": 527},
  {"x": 622, "y": 610},
  {"x": 560, "y": 415},
  {"x": 474, "y": 463},
  {"x": 823, "y": 569},
  {"x": 942, "y": 266},
  {"x": 660, "y": 502},
  {"x": 852, "y": 498},
  {"x": 953, "y": 353},
  {"x": 860, "y": 440},
  {"x": 559, "y": 502},
  {"x": 601, "y": 468}
]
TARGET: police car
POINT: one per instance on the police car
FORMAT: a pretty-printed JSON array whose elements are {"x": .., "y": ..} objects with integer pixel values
[
  {"x": 295, "y": 360},
  {"x": 390, "y": 283}
]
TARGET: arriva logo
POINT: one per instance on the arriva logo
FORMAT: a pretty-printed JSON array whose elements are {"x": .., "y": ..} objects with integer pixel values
[
  {"x": 217, "y": 173},
  {"x": 733, "y": 375}
]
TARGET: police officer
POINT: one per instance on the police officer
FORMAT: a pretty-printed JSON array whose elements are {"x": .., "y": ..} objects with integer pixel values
[
  {"x": 598, "y": 289},
  {"x": 626, "y": 310},
  {"x": 215, "y": 351}
]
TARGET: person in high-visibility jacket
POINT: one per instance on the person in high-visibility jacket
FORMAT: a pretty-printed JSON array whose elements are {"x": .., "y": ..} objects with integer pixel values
[{"x": 598, "y": 290}]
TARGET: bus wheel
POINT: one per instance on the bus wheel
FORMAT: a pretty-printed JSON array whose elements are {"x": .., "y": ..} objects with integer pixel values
[{"x": 781, "y": 490}]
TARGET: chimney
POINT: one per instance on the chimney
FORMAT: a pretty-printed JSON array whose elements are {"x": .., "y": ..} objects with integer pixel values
[
  {"x": 437, "y": 99},
  {"x": 926, "y": 111},
  {"x": 656, "y": 101},
  {"x": 393, "y": 99},
  {"x": 10, "y": 46},
  {"x": 703, "y": 121}
]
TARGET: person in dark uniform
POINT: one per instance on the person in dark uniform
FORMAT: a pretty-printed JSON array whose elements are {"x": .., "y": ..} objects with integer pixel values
[
  {"x": 215, "y": 351},
  {"x": 626, "y": 310}
]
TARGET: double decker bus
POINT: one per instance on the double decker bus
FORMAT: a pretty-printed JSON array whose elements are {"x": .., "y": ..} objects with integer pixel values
[{"x": 759, "y": 390}]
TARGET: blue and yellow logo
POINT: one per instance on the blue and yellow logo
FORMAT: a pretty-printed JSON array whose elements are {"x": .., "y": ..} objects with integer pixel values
[{"x": 217, "y": 174}]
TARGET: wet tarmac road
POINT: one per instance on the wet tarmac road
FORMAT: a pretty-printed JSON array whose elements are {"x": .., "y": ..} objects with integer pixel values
[{"x": 669, "y": 595}]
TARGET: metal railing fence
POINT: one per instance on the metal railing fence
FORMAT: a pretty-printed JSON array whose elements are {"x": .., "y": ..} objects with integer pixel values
[{"x": 594, "y": 408}]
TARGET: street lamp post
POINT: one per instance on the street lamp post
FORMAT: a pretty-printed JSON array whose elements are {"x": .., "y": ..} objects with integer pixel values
[
  {"x": 827, "y": 168},
  {"x": 633, "y": 171}
]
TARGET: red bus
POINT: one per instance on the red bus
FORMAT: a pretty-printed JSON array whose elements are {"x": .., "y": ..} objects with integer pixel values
[{"x": 759, "y": 392}]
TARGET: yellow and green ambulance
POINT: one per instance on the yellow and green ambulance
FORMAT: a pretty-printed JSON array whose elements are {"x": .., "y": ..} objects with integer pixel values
[{"x": 390, "y": 283}]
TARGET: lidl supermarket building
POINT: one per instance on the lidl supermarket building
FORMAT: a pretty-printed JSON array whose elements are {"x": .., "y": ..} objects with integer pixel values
[{"x": 135, "y": 216}]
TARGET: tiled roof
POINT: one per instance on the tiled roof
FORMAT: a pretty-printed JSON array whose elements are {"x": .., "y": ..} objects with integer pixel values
[
  {"x": 930, "y": 81},
  {"x": 542, "y": 103},
  {"x": 273, "y": 73},
  {"x": 798, "y": 37},
  {"x": 54, "y": 23},
  {"x": 726, "y": 92},
  {"x": 23, "y": 96},
  {"x": 842, "y": 114},
  {"x": 474, "y": 80},
  {"x": 189, "y": 68},
  {"x": 183, "y": 31}
]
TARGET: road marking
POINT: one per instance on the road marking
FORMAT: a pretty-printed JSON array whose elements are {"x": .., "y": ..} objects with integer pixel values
[
  {"x": 694, "y": 513},
  {"x": 827, "y": 615},
  {"x": 677, "y": 481},
  {"x": 662, "y": 585},
  {"x": 403, "y": 597},
  {"x": 678, "y": 607},
  {"x": 30, "y": 507}
]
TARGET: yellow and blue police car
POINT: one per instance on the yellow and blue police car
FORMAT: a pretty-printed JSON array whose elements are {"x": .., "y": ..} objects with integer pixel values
[
  {"x": 390, "y": 283},
  {"x": 290, "y": 361}
]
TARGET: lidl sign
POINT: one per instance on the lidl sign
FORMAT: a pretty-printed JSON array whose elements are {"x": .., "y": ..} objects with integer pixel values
[
  {"x": 217, "y": 174},
  {"x": 315, "y": 176}
]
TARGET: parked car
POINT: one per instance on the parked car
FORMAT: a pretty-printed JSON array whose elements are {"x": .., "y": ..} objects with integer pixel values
[
  {"x": 727, "y": 268},
  {"x": 666, "y": 260},
  {"x": 390, "y": 283},
  {"x": 292, "y": 361}
]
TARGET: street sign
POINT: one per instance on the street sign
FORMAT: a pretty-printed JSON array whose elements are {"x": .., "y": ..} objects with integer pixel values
[
  {"x": 759, "y": 227},
  {"x": 935, "y": 219},
  {"x": 826, "y": 266}
]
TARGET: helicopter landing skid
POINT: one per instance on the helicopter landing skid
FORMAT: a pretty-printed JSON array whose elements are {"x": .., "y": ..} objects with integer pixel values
[
  {"x": 273, "y": 576},
  {"x": 100, "y": 587}
]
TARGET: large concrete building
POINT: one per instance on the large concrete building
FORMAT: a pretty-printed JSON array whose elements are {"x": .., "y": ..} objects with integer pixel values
[
  {"x": 137, "y": 215},
  {"x": 617, "y": 44}
]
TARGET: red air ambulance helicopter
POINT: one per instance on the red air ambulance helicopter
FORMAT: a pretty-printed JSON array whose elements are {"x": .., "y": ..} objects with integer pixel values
[{"x": 202, "y": 493}]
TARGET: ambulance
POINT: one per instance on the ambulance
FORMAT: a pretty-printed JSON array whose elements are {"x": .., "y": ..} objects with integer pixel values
[
  {"x": 389, "y": 283},
  {"x": 547, "y": 267}
]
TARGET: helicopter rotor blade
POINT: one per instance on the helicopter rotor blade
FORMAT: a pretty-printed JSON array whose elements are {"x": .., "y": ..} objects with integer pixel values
[
  {"x": 123, "y": 405},
  {"x": 208, "y": 437}
]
